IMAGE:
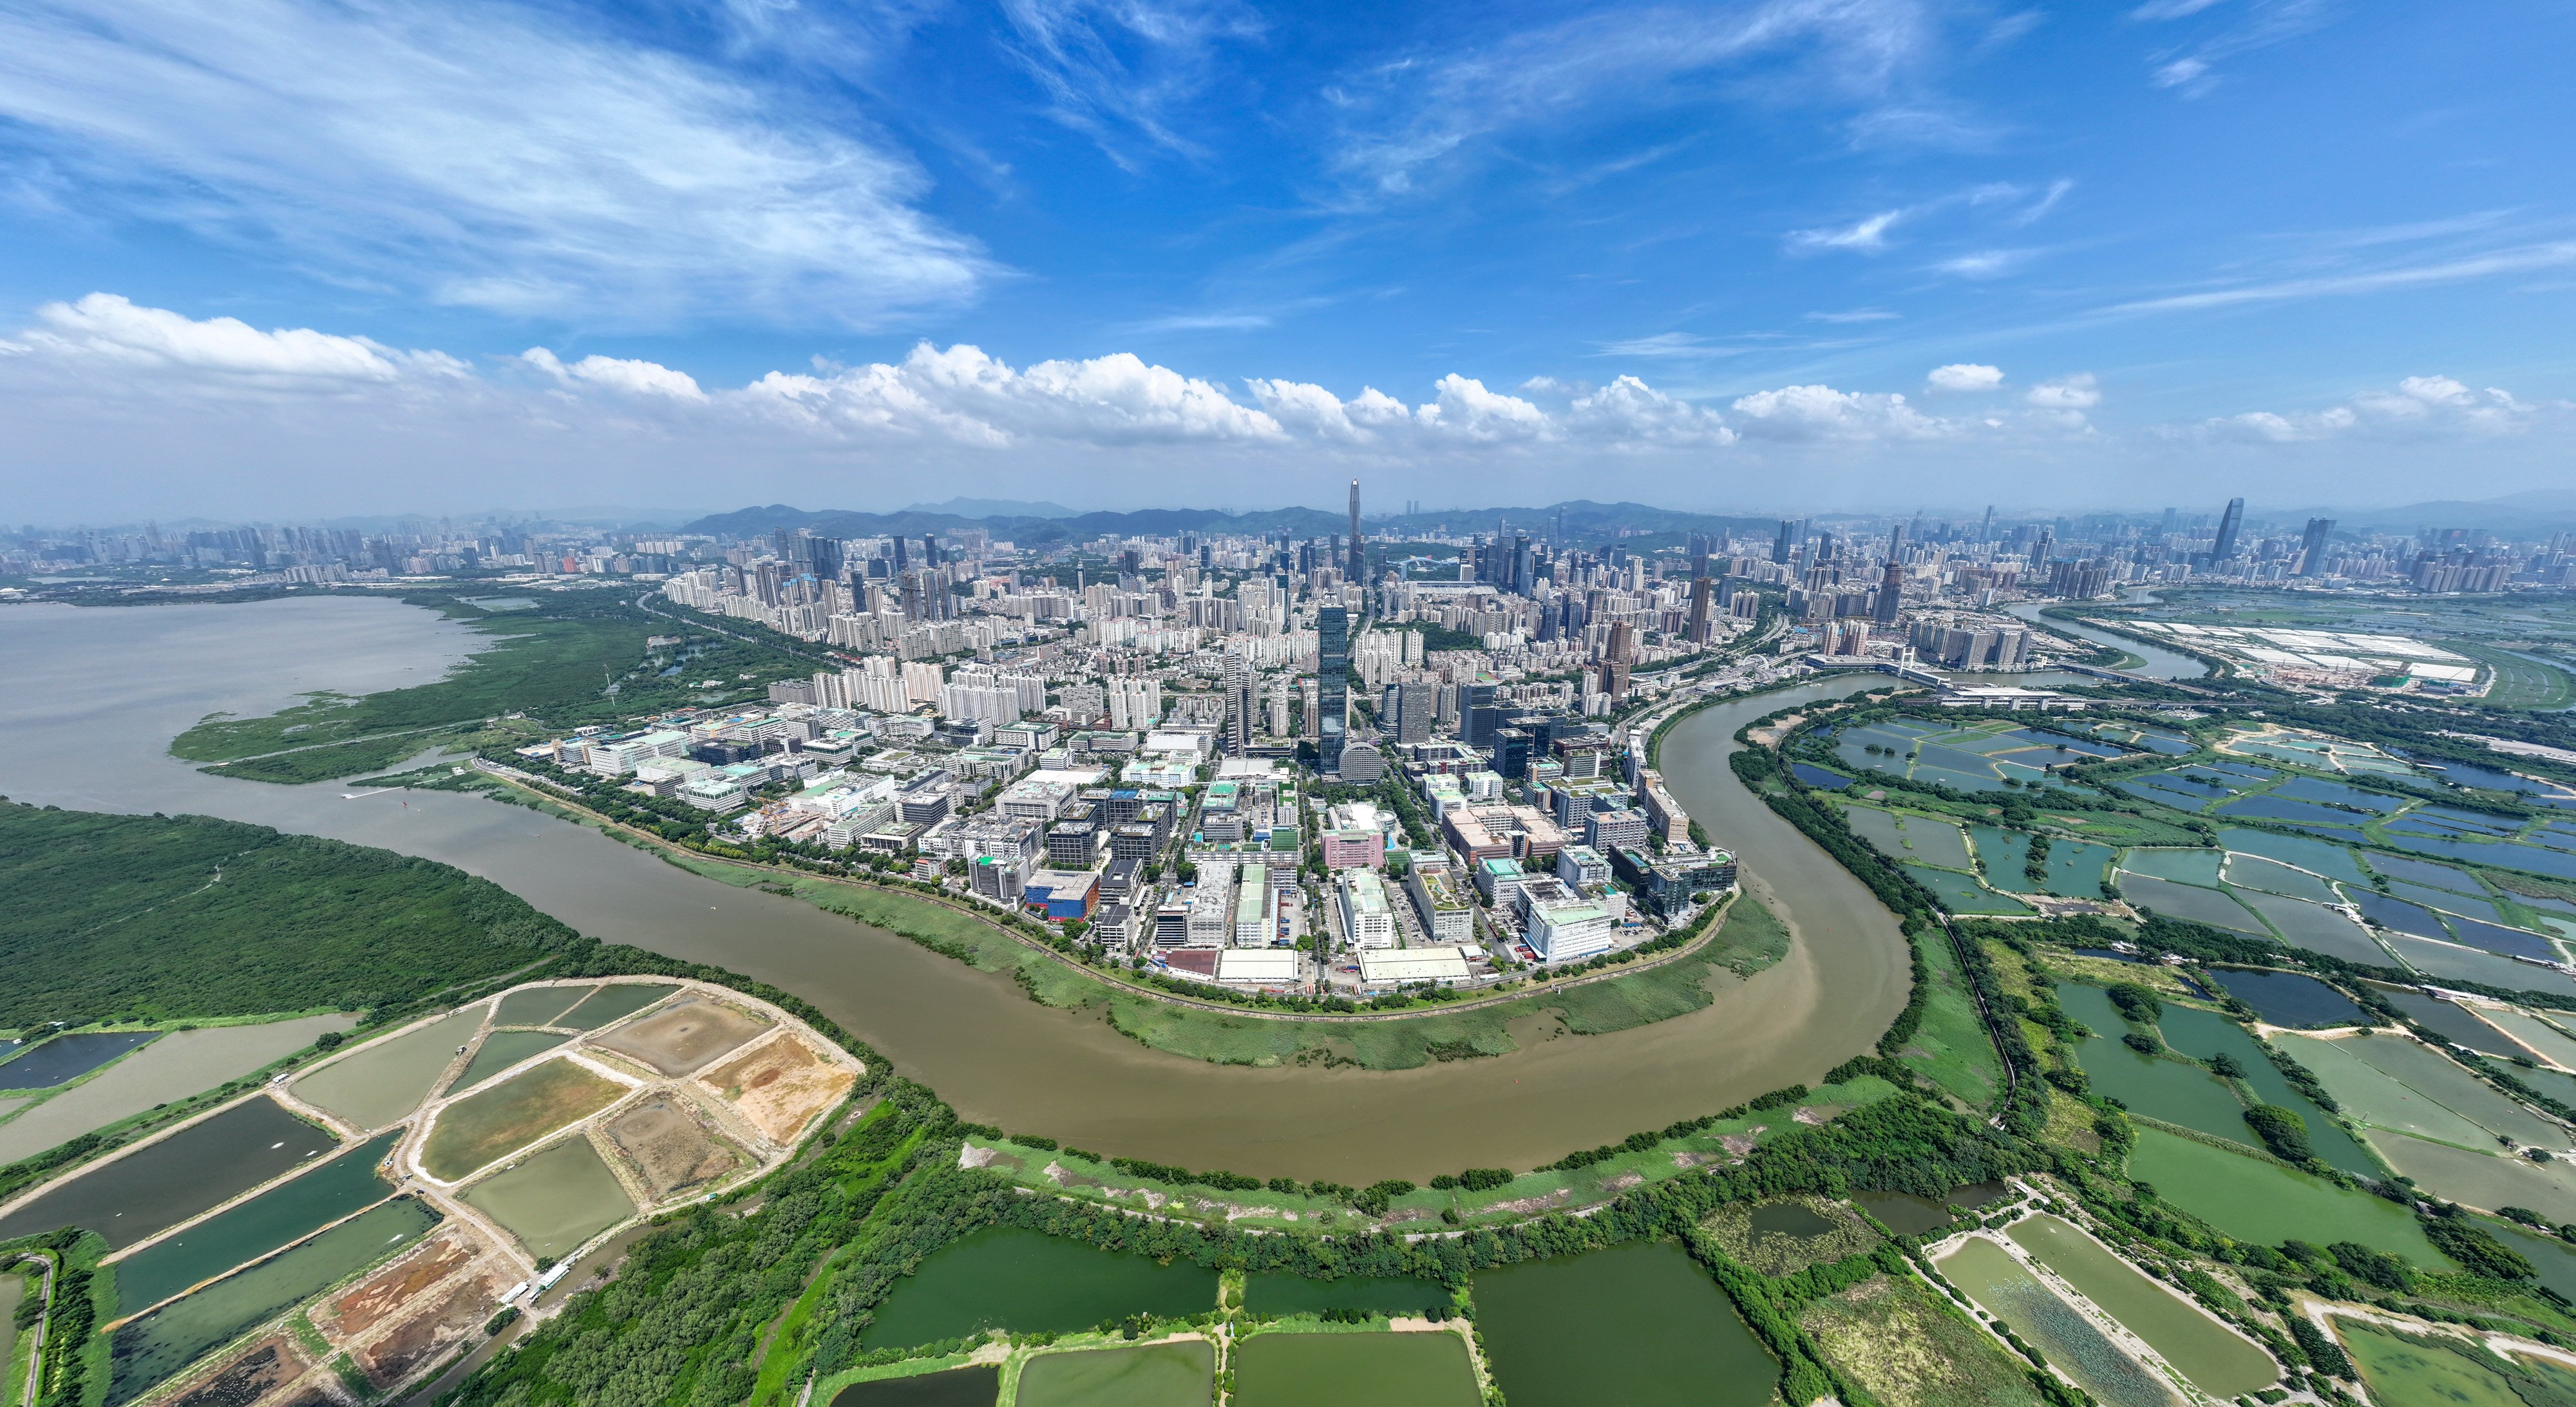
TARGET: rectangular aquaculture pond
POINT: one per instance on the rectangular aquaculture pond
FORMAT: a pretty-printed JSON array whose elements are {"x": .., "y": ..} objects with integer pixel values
[
  {"x": 277, "y": 1217},
  {"x": 2254, "y": 1200},
  {"x": 2002, "y": 1288},
  {"x": 1359, "y": 1370},
  {"x": 1639, "y": 1324},
  {"x": 381, "y": 1081},
  {"x": 554, "y": 1200},
  {"x": 1154, "y": 1375},
  {"x": 1008, "y": 1277},
  {"x": 2216, "y": 1359},
  {"x": 162, "y": 1184}
]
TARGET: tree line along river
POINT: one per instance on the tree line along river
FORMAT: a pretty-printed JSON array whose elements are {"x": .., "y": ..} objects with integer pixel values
[{"x": 101, "y": 691}]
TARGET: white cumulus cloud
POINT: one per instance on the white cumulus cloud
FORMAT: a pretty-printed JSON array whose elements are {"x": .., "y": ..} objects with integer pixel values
[
  {"x": 1823, "y": 413},
  {"x": 2417, "y": 408},
  {"x": 1966, "y": 376},
  {"x": 635, "y": 378},
  {"x": 106, "y": 328},
  {"x": 2077, "y": 392}
]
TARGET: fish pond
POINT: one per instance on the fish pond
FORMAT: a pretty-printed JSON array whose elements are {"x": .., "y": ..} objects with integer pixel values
[
  {"x": 2255, "y": 1200},
  {"x": 1904, "y": 1213},
  {"x": 383, "y": 1080},
  {"x": 537, "y": 1006},
  {"x": 1639, "y": 1324},
  {"x": 2187, "y": 902},
  {"x": 2316, "y": 928},
  {"x": 2073, "y": 868},
  {"x": 1360, "y": 1370},
  {"x": 2452, "y": 1022},
  {"x": 2173, "y": 1091},
  {"x": 2328, "y": 859},
  {"x": 1008, "y": 1277},
  {"x": 174, "y": 1067},
  {"x": 2204, "y": 1035},
  {"x": 2450, "y": 960},
  {"x": 148, "y": 1350},
  {"x": 979, "y": 1386},
  {"x": 1960, "y": 893},
  {"x": 2479, "y": 1179},
  {"x": 206, "y": 1164},
  {"x": 2273, "y": 877},
  {"x": 611, "y": 1002},
  {"x": 2545, "y": 1040},
  {"x": 555, "y": 1200},
  {"x": 2289, "y": 999},
  {"x": 2402, "y": 1368},
  {"x": 2216, "y": 1360},
  {"x": 280, "y": 1216},
  {"x": 2000, "y": 1286},
  {"x": 69, "y": 1057},
  {"x": 1154, "y": 1375},
  {"x": 503, "y": 1049}
]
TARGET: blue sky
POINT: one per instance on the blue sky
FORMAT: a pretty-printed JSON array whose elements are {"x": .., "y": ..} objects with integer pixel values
[{"x": 1798, "y": 253}]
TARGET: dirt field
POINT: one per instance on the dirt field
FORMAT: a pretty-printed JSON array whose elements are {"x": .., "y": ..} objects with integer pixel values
[
  {"x": 480, "y": 1129},
  {"x": 668, "y": 1148},
  {"x": 362, "y": 1308},
  {"x": 260, "y": 1370},
  {"x": 684, "y": 1037},
  {"x": 443, "y": 1321},
  {"x": 780, "y": 1086}
]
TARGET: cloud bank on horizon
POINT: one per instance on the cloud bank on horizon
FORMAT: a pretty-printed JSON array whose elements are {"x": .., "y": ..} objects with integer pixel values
[{"x": 394, "y": 254}]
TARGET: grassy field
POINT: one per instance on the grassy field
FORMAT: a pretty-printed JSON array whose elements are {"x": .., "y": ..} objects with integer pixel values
[
  {"x": 1526, "y": 1195},
  {"x": 575, "y": 657},
  {"x": 1905, "y": 1343},
  {"x": 1951, "y": 1048},
  {"x": 2521, "y": 683}
]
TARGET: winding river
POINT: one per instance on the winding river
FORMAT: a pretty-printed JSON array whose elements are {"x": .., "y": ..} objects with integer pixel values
[
  {"x": 2160, "y": 663},
  {"x": 97, "y": 694}
]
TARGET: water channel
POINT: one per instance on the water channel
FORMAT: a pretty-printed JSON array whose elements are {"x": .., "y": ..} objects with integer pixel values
[
  {"x": 100, "y": 691},
  {"x": 2159, "y": 663}
]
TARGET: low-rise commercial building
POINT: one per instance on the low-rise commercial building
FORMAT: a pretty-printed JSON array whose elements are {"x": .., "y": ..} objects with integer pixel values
[
  {"x": 1367, "y": 922},
  {"x": 1397, "y": 967},
  {"x": 1446, "y": 914}
]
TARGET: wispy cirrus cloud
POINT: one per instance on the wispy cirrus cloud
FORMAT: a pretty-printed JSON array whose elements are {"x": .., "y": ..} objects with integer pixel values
[
  {"x": 1402, "y": 119},
  {"x": 1117, "y": 70},
  {"x": 492, "y": 158},
  {"x": 2521, "y": 259},
  {"x": 2191, "y": 69}
]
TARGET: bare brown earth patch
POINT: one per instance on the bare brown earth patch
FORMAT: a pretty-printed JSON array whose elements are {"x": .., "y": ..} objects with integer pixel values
[
  {"x": 362, "y": 1308},
  {"x": 780, "y": 1087},
  {"x": 258, "y": 1371},
  {"x": 685, "y": 1036},
  {"x": 442, "y": 1322},
  {"x": 669, "y": 1149}
]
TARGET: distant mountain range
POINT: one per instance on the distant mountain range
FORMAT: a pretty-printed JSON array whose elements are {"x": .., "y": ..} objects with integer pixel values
[{"x": 1037, "y": 523}]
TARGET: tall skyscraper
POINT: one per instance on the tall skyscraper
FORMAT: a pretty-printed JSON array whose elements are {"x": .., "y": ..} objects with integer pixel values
[
  {"x": 1891, "y": 580},
  {"x": 1521, "y": 581},
  {"x": 2229, "y": 525},
  {"x": 1780, "y": 544},
  {"x": 1240, "y": 701},
  {"x": 1618, "y": 659},
  {"x": 1703, "y": 605},
  {"x": 2312, "y": 547},
  {"x": 1332, "y": 685},
  {"x": 1359, "y": 552}
]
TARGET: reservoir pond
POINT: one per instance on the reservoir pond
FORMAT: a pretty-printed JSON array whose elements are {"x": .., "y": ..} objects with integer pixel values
[
  {"x": 1008, "y": 1277},
  {"x": 148, "y": 1350},
  {"x": 280, "y": 1216},
  {"x": 2001, "y": 1287},
  {"x": 958, "y": 1387},
  {"x": 1639, "y": 1324},
  {"x": 69, "y": 1058},
  {"x": 1153, "y": 1375},
  {"x": 386, "y": 1079},
  {"x": 2216, "y": 1361},
  {"x": 204, "y": 1165},
  {"x": 1355, "y": 1370},
  {"x": 612, "y": 1002}
]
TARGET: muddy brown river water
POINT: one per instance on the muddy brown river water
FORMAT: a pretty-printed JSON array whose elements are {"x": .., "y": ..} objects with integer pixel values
[{"x": 97, "y": 694}]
